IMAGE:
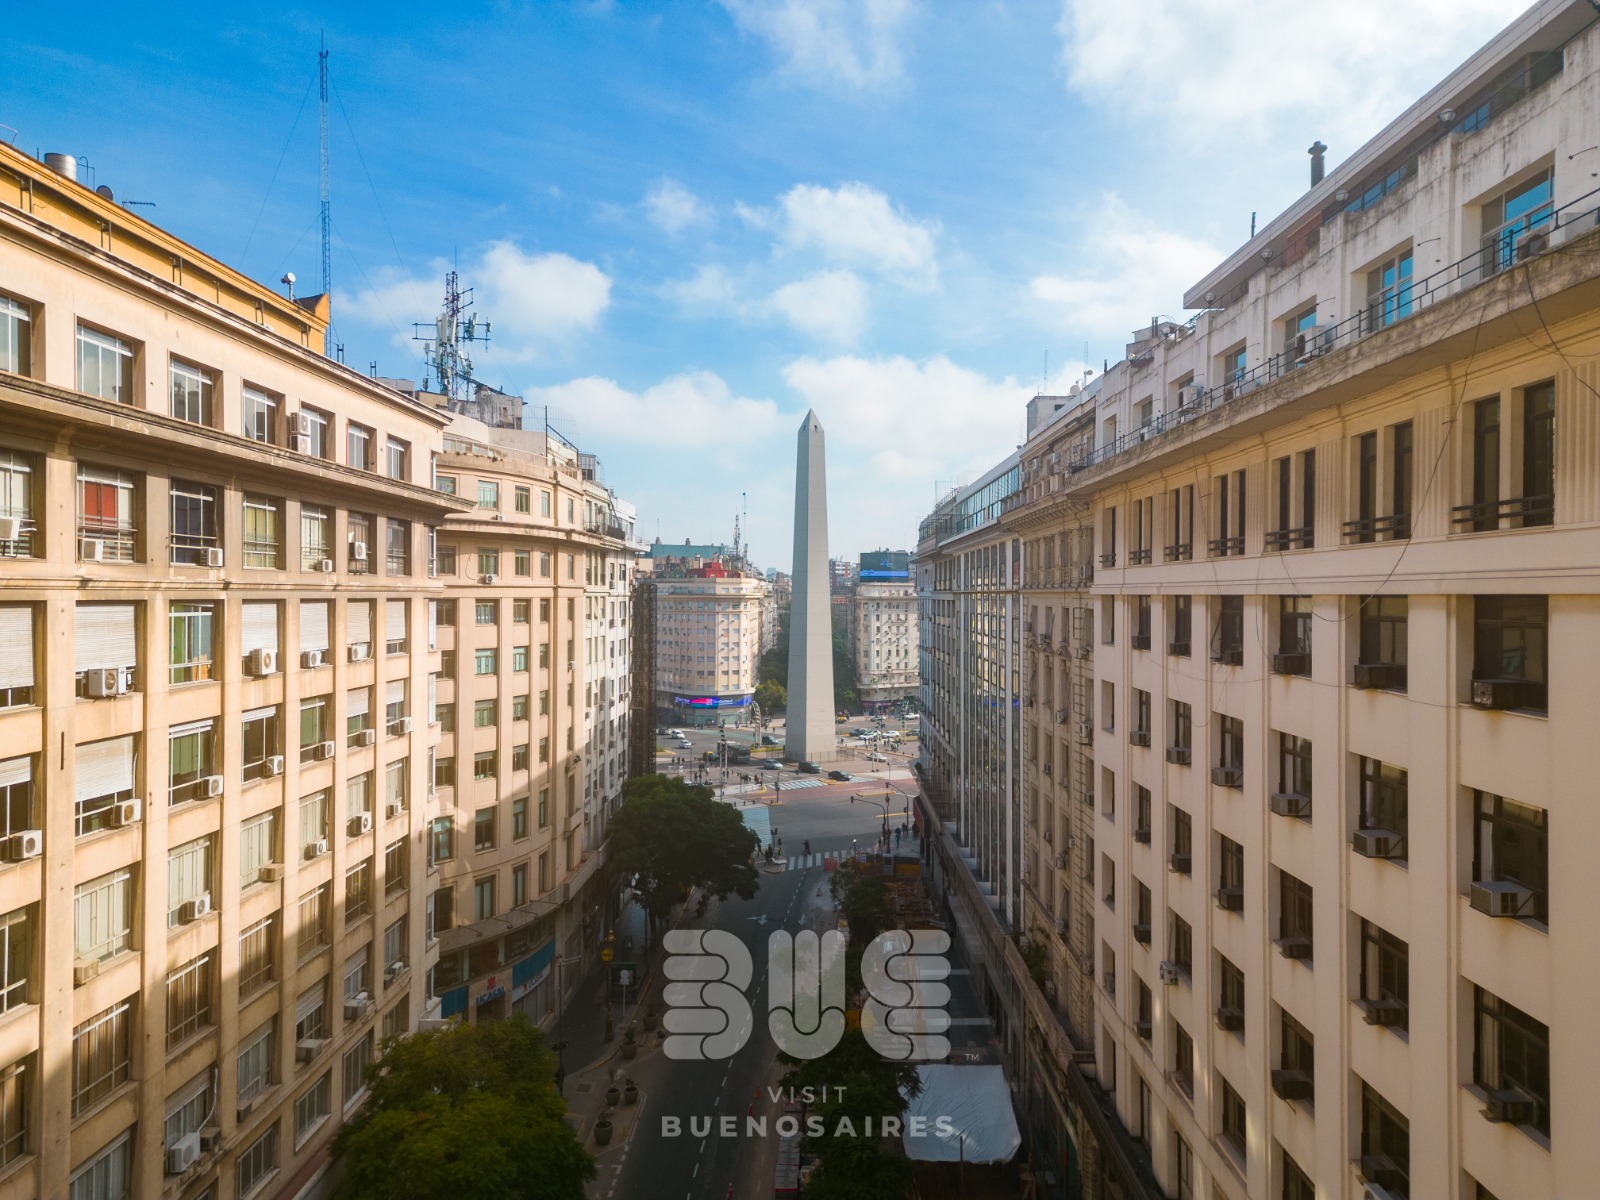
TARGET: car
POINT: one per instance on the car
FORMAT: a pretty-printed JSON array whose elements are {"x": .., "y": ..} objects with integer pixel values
[
  {"x": 809, "y": 768},
  {"x": 768, "y": 740},
  {"x": 839, "y": 776},
  {"x": 771, "y": 764},
  {"x": 876, "y": 757}
]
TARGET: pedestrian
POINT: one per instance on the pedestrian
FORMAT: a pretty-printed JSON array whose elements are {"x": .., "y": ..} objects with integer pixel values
[{"x": 807, "y": 846}]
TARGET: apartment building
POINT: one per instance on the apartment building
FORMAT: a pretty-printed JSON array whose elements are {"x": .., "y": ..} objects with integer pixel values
[
  {"x": 1345, "y": 614},
  {"x": 530, "y": 704},
  {"x": 707, "y": 638},
  {"x": 204, "y": 526},
  {"x": 883, "y": 628}
]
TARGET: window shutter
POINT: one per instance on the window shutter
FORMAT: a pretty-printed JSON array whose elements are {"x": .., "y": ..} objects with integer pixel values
[
  {"x": 105, "y": 636},
  {"x": 259, "y": 714},
  {"x": 185, "y": 730},
  {"x": 358, "y": 701},
  {"x": 16, "y": 770},
  {"x": 309, "y": 1002},
  {"x": 394, "y": 621},
  {"x": 259, "y": 627},
  {"x": 433, "y": 698},
  {"x": 16, "y": 645},
  {"x": 360, "y": 631},
  {"x": 313, "y": 625},
  {"x": 433, "y": 624},
  {"x": 395, "y": 691},
  {"x": 103, "y": 768}
]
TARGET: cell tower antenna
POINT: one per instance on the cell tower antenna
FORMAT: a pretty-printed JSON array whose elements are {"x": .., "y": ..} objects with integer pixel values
[
  {"x": 327, "y": 207},
  {"x": 445, "y": 339}
]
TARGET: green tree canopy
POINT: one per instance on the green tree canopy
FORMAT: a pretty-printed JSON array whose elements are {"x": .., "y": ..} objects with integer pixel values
[
  {"x": 672, "y": 836},
  {"x": 772, "y": 696},
  {"x": 470, "y": 1110}
]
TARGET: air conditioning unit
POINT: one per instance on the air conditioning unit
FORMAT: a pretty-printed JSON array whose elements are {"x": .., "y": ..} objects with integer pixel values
[
  {"x": 262, "y": 662},
  {"x": 125, "y": 812},
  {"x": 488, "y": 580},
  {"x": 209, "y": 786},
  {"x": 10, "y": 529},
  {"x": 359, "y": 652},
  {"x": 1376, "y": 843},
  {"x": 1228, "y": 777},
  {"x": 1501, "y": 898},
  {"x": 193, "y": 910},
  {"x": 1086, "y": 963},
  {"x": 1085, "y": 650},
  {"x": 1499, "y": 693},
  {"x": 1063, "y": 860},
  {"x": 84, "y": 970},
  {"x": 1085, "y": 732},
  {"x": 358, "y": 552},
  {"x": 394, "y": 970},
  {"x": 313, "y": 658},
  {"x": 1178, "y": 649},
  {"x": 103, "y": 682},
  {"x": 366, "y": 737},
  {"x": 1230, "y": 1020},
  {"x": 318, "y": 848},
  {"x": 1309, "y": 342},
  {"x": 269, "y": 873},
  {"x": 214, "y": 556},
  {"x": 1109, "y": 982},
  {"x": 275, "y": 764},
  {"x": 1232, "y": 657},
  {"x": 1061, "y": 716},
  {"x": 402, "y": 726},
  {"x": 1141, "y": 934},
  {"x": 1181, "y": 863},
  {"x": 360, "y": 823},
  {"x": 1141, "y": 834},
  {"x": 92, "y": 550},
  {"x": 1379, "y": 675},
  {"x": 1295, "y": 947},
  {"x": 357, "y": 1007},
  {"x": 1509, "y": 1106},
  {"x": 322, "y": 751},
  {"x": 23, "y": 845},
  {"x": 434, "y": 1024},
  {"x": 394, "y": 809},
  {"x": 1379, "y": 1171},
  {"x": 325, "y": 566},
  {"x": 210, "y": 1139},
  {"x": 1191, "y": 394},
  {"x": 297, "y": 423},
  {"x": 1290, "y": 804},
  {"x": 1048, "y": 835},
  {"x": 1139, "y": 737},
  {"x": 1048, "y": 768},
  {"x": 1532, "y": 242},
  {"x": 1181, "y": 755},
  {"x": 1293, "y": 1085},
  {"x": 307, "y": 1049},
  {"x": 183, "y": 1154},
  {"x": 1169, "y": 973},
  {"x": 1291, "y": 664},
  {"x": 1230, "y": 899},
  {"x": 1384, "y": 1012}
]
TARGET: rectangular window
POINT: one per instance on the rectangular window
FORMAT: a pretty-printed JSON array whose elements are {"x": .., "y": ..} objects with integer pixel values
[
  {"x": 193, "y": 517},
  {"x": 1385, "y": 977},
  {"x": 189, "y": 878},
  {"x": 192, "y": 639},
  {"x": 106, "y": 530},
  {"x": 483, "y": 829},
  {"x": 260, "y": 419},
  {"x": 1228, "y": 639},
  {"x": 1183, "y": 1059},
  {"x": 16, "y": 492},
  {"x": 483, "y": 714},
  {"x": 258, "y": 955},
  {"x": 484, "y": 662},
  {"x": 263, "y": 533},
  {"x": 395, "y": 857},
  {"x": 1230, "y": 873},
  {"x": 17, "y": 939},
  {"x": 1384, "y": 801},
  {"x": 192, "y": 389},
  {"x": 258, "y": 846},
  {"x": 523, "y": 504},
  {"x": 1511, "y": 844},
  {"x": 103, "y": 915},
  {"x": 357, "y": 715},
  {"x": 483, "y": 765},
  {"x": 191, "y": 752},
  {"x": 1484, "y": 511},
  {"x": 358, "y": 534},
  {"x": 316, "y": 538},
  {"x": 257, "y": 1056},
  {"x": 1294, "y": 636},
  {"x": 519, "y": 757},
  {"x": 16, "y": 336},
  {"x": 1182, "y": 948},
  {"x": 314, "y": 728},
  {"x": 397, "y": 547},
  {"x": 353, "y": 1070},
  {"x": 1511, "y": 1059},
  {"x": 256, "y": 1163},
  {"x": 315, "y": 913},
  {"x": 485, "y": 612},
  {"x": 522, "y": 566},
  {"x": 358, "y": 891},
  {"x": 1230, "y": 751},
  {"x": 519, "y": 818},
  {"x": 1383, "y": 657},
  {"x": 1511, "y": 651},
  {"x": 1233, "y": 1119},
  {"x": 544, "y": 814},
  {"x": 1537, "y": 504},
  {"x": 105, "y": 366},
  {"x": 1230, "y": 995},
  {"x": 483, "y": 899},
  {"x": 102, "y": 1056},
  {"x": 358, "y": 446},
  {"x": 441, "y": 845},
  {"x": 311, "y": 432},
  {"x": 1389, "y": 292},
  {"x": 357, "y": 976},
  {"x": 314, "y": 818},
  {"x": 488, "y": 494},
  {"x": 1297, "y": 1049},
  {"x": 259, "y": 732},
  {"x": 189, "y": 1000},
  {"x": 397, "y": 460},
  {"x": 188, "y": 1111},
  {"x": 1528, "y": 205},
  {"x": 108, "y": 1175},
  {"x": 1385, "y": 1144},
  {"x": 1294, "y": 775},
  {"x": 519, "y": 885},
  {"x": 519, "y": 658},
  {"x": 312, "y": 1108},
  {"x": 519, "y": 708},
  {"x": 1294, "y": 916},
  {"x": 396, "y": 619}
]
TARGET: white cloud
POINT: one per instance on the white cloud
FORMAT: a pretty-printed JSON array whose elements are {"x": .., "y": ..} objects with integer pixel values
[
  {"x": 831, "y": 305},
  {"x": 823, "y": 42},
  {"x": 1215, "y": 70},
  {"x": 673, "y": 208},
  {"x": 541, "y": 297},
  {"x": 856, "y": 225},
  {"x": 393, "y": 301},
  {"x": 695, "y": 409},
  {"x": 1127, "y": 270},
  {"x": 710, "y": 287}
]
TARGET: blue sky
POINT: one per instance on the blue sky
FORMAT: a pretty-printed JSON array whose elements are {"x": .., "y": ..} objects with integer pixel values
[{"x": 691, "y": 220}]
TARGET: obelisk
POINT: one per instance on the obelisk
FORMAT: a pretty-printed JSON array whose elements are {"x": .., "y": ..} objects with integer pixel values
[{"x": 809, "y": 731}]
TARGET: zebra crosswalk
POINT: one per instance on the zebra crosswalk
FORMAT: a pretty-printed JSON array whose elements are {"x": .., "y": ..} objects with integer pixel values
[
  {"x": 804, "y": 862},
  {"x": 789, "y": 785}
]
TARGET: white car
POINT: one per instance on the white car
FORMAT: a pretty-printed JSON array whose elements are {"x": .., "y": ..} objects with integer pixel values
[{"x": 876, "y": 757}]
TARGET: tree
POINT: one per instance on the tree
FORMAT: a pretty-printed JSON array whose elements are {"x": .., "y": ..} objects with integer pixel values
[
  {"x": 772, "y": 697},
  {"x": 671, "y": 836},
  {"x": 471, "y": 1110}
]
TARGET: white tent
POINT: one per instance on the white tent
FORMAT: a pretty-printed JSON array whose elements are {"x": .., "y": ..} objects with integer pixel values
[{"x": 975, "y": 1106}]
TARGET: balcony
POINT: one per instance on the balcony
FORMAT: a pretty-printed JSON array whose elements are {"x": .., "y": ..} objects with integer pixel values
[
  {"x": 1522, "y": 512},
  {"x": 1303, "y": 538},
  {"x": 1395, "y": 527}
]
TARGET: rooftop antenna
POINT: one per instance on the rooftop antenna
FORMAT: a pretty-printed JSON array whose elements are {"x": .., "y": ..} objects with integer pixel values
[
  {"x": 327, "y": 209},
  {"x": 444, "y": 341}
]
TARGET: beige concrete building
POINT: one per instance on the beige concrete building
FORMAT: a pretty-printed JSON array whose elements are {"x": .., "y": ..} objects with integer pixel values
[
  {"x": 214, "y": 878},
  {"x": 707, "y": 639},
  {"x": 883, "y": 639},
  {"x": 1345, "y": 623}
]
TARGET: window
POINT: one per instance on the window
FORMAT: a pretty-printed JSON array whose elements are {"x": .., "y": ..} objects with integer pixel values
[
  {"x": 315, "y": 912},
  {"x": 397, "y": 547},
  {"x": 358, "y": 891},
  {"x": 1385, "y": 1143},
  {"x": 488, "y": 494},
  {"x": 1183, "y": 1162},
  {"x": 519, "y": 757},
  {"x": 256, "y": 1058},
  {"x": 189, "y": 873},
  {"x": 102, "y": 1056},
  {"x": 1385, "y": 976},
  {"x": 358, "y": 533},
  {"x": 1294, "y": 916},
  {"x": 357, "y": 975},
  {"x": 1182, "y": 839},
  {"x": 1383, "y": 641},
  {"x": 353, "y": 1069},
  {"x": 523, "y": 500},
  {"x": 523, "y": 567},
  {"x": 544, "y": 611},
  {"x": 444, "y": 773},
  {"x": 108, "y": 1176},
  {"x": 189, "y": 998},
  {"x": 192, "y": 389},
  {"x": 1511, "y": 648},
  {"x": 544, "y": 569},
  {"x": 192, "y": 630},
  {"x": 1537, "y": 505},
  {"x": 313, "y": 823},
  {"x": 103, "y": 915},
  {"x": 1141, "y": 813},
  {"x": 395, "y": 857},
  {"x": 316, "y": 540},
  {"x": 483, "y": 765},
  {"x": 397, "y": 460},
  {"x": 1294, "y": 774},
  {"x": 1230, "y": 515},
  {"x": 519, "y": 885},
  {"x": 1507, "y": 217},
  {"x": 16, "y": 343},
  {"x": 357, "y": 715},
  {"x": 544, "y": 749},
  {"x": 16, "y": 964},
  {"x": 256, "y": 1163},
  {"x": 1230, "y": 752},
  {"x": 1230, "y": 894},
  {"x": 444, "y": 563},
  {"x": 1230, "y": 995},
  {"x": 191, "y": 750},
  {"x": 105, "y": 515},
  {"x": 358, "y": 446},
  {"x": 1183, "y": 1059},
  {"x": 260, "y": 419},
  {"x": 312, "y": 1107},
  {"x": 1511, "y": 844},
  {"x": 1484, "y": 511},
  {"x": 194, "y": 523},
  {"x": 544, "y": 655},
  {"x": 1296, "y": 1052},
  {"x": 263, "y": 533},
  {"x": 1182, "y": 948},
  {"x": 519, "y": 818},
  {"x": 105, "y": 366},
  {"x": 16, "y": 489},
  {"x": 485, "y": 612},
  {"x": 444, "y": 715},
  {"x": 1228, "y": 640},
  {"x": 394, "y": 1020},
  {"x": 396, "y": 706},
  {"x": 544, "y": 815},
  {"x": 484, "y": 662},
  {"x": 1384, "y": 800},
  {"x": 1233, "y": 1119},
  {"x": 260, "y": 737},
  {"x": 188, "y": 1111},
  {"x": 1294, "y": 636},
  {"x": 544, "y": 870},
  {"x": 396, "y": 614},
  {"x": 483, "y": 898},
  {"x": 519, "y": 612},
  {"x": 519, "y": 707},
  {"x": 1389, "y": 293},
  {"x": 311, "y": 428},
  {"x": 258, "y": 955},
  {"x": 314, "y": 728},
  {"x": 1511, "y": 1057}
]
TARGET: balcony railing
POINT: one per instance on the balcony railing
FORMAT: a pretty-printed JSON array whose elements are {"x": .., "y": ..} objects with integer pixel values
[
  {"x": 1395, "y": 527},
  {"x": 1529, "y": 511},
  {"x": 1291, "y": 539}
]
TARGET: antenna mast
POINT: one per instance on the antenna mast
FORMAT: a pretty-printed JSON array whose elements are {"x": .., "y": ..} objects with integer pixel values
[
  {"x": 327, "y": 210},
  {"x": 444, "y": 341}
]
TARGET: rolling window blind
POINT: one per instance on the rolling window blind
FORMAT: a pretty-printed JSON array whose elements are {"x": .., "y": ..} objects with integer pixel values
[
  {"x": 358, "y": 701},
  {"x": 360, "y": 631},
  {"x": 314, "y": 625},
  {"x": 16, "y": 645},
  {"x": 258, "y": 624},
  {"x": 105, "y": 636},
  {"x": 16, "y": 770},
  {"x": 103, "y": 768},
  {"x": 394, "y": 621}
]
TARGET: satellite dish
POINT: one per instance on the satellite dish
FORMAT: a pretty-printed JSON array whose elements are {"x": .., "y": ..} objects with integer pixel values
[{"x": 104, "y": 190}]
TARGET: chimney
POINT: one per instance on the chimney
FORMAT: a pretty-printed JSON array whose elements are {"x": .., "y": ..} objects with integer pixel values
[{"x": 1317, "y": 151}]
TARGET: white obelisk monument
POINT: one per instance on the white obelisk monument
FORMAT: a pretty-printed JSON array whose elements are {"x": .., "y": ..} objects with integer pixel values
[{"x": 809, "y": 733}]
